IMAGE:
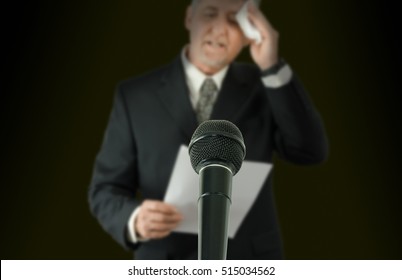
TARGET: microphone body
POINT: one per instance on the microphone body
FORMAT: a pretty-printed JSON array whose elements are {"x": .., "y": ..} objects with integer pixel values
[
  {"x": 213, "y": 211},
  {"x": 216, "y": 151}
]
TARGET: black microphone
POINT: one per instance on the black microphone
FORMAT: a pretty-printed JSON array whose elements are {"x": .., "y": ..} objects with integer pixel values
[{"x": 217, "y": 152}]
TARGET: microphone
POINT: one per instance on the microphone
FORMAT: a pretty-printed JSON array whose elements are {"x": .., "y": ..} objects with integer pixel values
[{"x": 217, "y": 152}]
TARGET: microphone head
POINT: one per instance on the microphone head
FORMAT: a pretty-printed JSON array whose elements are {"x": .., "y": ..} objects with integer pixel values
[{"x": 217, "y": 141}]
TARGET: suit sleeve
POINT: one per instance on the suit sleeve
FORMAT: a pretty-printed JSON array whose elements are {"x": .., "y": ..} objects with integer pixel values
[
  {"x": 113, "y": 186},
  {"x": 299, "y": 135}
]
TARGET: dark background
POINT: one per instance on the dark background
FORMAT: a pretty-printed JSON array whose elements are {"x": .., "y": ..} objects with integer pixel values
[{"x": 61, "y": 61}]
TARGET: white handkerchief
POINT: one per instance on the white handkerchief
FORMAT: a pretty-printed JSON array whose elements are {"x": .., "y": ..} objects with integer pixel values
[
  {"x": 249, "y": 30},
  {"x": 183, "y": 192}
]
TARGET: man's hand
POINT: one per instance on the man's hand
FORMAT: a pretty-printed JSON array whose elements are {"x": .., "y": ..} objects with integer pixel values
[
  {"x": 264, "y": 54},
  {"x": 156, "y": 219}
]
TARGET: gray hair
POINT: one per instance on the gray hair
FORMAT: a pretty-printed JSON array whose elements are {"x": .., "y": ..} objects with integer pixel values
[{"x": 194, "y": 2}]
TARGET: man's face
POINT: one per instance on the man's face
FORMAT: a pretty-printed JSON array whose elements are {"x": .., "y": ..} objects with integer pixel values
[{"x": 215, "y": 37}]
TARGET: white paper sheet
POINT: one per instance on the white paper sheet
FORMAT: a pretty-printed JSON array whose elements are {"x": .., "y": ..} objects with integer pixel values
[{"x": 183, "y": 189}]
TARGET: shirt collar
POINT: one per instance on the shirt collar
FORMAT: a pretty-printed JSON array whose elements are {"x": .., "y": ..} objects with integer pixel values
[{"x": 195, "y": 77}]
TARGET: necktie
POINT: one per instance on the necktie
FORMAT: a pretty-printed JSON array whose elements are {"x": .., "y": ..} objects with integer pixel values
[{"x": 206, "y": 101}]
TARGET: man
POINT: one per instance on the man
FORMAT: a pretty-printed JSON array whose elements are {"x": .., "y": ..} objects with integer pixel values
[{"x": 156, "y": 113}]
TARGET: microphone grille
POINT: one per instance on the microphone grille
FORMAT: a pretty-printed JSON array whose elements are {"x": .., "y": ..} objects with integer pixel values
[{"x": 217, "y": 141}]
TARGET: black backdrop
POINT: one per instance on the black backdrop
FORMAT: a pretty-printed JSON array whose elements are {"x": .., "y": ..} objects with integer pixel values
[{"x": 61, "y": 61}]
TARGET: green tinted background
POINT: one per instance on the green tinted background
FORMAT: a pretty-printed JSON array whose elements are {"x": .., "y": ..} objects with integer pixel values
[{"x": 62, "y": 61}]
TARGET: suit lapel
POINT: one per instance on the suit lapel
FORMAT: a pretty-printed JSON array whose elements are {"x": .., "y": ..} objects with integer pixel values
[
  {"x": 232, "y": 97},
  {"x": 174, "y": 94}
]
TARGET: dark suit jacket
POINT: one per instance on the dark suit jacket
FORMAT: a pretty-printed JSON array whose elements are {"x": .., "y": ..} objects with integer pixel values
[{"x": 152, "y": 116}]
